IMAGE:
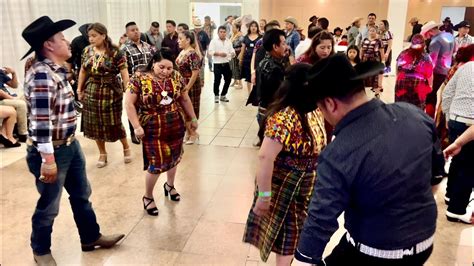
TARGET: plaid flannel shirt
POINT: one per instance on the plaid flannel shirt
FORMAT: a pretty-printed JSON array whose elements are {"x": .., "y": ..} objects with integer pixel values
[
  {"x": 137, "y": 57},
  {"x": 50, "y": 101}
]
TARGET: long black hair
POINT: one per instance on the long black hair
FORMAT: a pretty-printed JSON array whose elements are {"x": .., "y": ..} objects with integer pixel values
[
  {"x": 355, "y": 48},
  {"x": 253, "y": 22},
  {"x": 164, "y": 53},
  {"x": 294, "y": 92}
]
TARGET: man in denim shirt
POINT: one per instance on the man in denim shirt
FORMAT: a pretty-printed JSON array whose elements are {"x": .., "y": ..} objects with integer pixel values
[
  {"x": 292, "y": 36},
  {"x": 379, "y": 169},
  {"x": 441, "y": 51}
]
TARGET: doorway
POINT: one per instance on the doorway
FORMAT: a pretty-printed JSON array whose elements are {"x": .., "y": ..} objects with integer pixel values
[{"x": 217, "y": 11}]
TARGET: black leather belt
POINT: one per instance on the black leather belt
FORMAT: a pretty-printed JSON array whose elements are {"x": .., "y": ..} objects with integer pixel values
[{"x": 56, "y": 143}]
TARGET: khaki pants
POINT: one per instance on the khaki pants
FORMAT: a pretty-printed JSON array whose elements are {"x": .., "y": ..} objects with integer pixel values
[{"x": 20, "y": 107}]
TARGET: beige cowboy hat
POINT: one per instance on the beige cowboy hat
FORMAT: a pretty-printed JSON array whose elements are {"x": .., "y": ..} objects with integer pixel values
[
  {"x": 292, "y": 20},
  {"x": 356, "y": 19},
  {"x": 197, "y": 23},
  {"x": 429, "y": 26},
  {"x": 413, "y": 20}
]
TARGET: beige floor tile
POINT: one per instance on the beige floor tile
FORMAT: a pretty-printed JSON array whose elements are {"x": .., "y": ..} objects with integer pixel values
[
  {"x": 218, "y": 210},
  {"x": 238, "y": 125},
  {"x": 249, "y": 141},
  {"x": 226, "y": 141},
  {"x": 208, "y": 131},
  {"x": 142, "y": 255},
  {"x": 217, "y": 239},
  {"x": 165, "y": 232},
  {"x": 467, "y": 237},
  {"x": 234, "y": 133},
  {"x": 205, "y": 139},
  {"x": 254, "y": 255},
  {"x": 208, "y": 260}
]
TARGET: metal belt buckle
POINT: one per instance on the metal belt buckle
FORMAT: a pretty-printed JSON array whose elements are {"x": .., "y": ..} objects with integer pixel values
[{"x": 69, "y": 140}]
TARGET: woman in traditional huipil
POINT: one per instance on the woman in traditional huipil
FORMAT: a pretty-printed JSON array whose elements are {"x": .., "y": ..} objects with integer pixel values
[
  {"x": 414, "y": 73},
  {"x": 237, "y": 38},
  {"x": 101, "y": 92},
  {"x": 287, "y": 168},
  {"x": 372, "y": 50},
  {"x": 189, "y": 62},
  {"x": 158, "y": 94}
]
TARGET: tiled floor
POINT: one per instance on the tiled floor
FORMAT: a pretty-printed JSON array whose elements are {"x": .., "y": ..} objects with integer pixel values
[{"x": 215, "y": 179}]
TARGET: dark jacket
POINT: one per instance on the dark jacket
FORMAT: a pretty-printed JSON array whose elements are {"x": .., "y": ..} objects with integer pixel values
[
  {"x": 77, "y": 46},
  {"x": 378, "y": 170},
  {"x": 270, "y": 75}
]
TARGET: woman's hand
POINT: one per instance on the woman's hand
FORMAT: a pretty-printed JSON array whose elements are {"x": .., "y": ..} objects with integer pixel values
[
  {"x": 262, "y": 206},
  {"x": 139, "y": 132},
  {"x": 194, "y": 125},
  {"x": 452, "y": 150},
  {"x": 80, "y": 95}
]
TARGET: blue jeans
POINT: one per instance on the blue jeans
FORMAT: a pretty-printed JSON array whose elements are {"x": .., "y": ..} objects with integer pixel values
[{"x": 72, "y": 175}]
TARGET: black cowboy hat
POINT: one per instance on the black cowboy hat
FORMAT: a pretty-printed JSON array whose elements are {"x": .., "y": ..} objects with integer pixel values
[
  {"x": 337, "y": 29},
  {"x": 447, "y": 19},
  {"x": 41, "y": 30},
  {"x": 312, "y": 17},
  {"x": 462, "y": 24},
  {"x": 336, "y": 77}
]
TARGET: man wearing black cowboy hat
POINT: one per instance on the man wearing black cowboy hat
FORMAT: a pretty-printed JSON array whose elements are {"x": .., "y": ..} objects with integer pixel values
[
  {"x": 447, "y": 25},
  {"x": 54, "y": 156},
  {"x": 463, "y": 38},
  {"x": 378, "y": 169}
]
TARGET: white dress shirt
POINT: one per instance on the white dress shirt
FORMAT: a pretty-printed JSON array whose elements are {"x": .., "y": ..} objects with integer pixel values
[
  {"x": 220, "y": 46},
  {"x": 302, "y": 47},
  {"x": 458, "y": 95}
]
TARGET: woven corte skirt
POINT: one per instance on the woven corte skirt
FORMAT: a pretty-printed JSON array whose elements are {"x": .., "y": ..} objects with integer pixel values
[
  {"x": 163, "y": 142},
  {"x": 102, "y": 112},
  {"x": 292, "y": 187}
]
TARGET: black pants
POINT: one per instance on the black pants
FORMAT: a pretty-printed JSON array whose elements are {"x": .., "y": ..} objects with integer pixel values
[
  {"x": 219, "y": 71},
  {"x": 461, "y": 171},
  {"x": 346, "y": 254},
  {"x": 438, "y": 79}
]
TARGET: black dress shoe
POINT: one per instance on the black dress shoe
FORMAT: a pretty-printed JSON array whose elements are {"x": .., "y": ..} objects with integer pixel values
[
  {"x": 135, "y": 140},
  {"x": 7, "y": 143}
]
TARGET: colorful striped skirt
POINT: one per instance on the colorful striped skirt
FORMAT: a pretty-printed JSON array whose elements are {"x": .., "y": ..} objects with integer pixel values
[
  {"x": 195, "y": 96},
  {"x": 292, "y": 186},
  {"x": 163, "y": 141},
  {"x": 412, "y": 89},
  {"x": 102, "y": 112}
]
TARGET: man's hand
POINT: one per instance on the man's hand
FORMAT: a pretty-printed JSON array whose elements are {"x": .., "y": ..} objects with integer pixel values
[
  {"x": 9, "y": 70},
  {"x": 49, "y": 172}
]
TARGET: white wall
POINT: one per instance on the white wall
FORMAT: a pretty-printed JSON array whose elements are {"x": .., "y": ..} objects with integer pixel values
[{"x": 456, "y": 13}]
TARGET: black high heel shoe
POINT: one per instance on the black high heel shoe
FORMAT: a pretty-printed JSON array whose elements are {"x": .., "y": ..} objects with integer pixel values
[
  {"x": 152, "y": 211},
  {"x": 175, "y": 197}
]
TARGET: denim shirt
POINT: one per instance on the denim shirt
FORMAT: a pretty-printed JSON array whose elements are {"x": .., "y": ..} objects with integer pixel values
[
  {"x": 293, "y": 39},
  {"x": 377, "y": 170}
]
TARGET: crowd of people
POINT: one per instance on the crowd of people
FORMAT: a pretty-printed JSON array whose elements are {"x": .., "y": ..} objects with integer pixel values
[{"x": 325, "y": 146}]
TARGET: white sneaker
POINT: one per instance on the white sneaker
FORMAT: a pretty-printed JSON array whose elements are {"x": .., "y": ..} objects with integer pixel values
[
  {"x": 216, "y": 99},
  {"x": 464, "y": 218}
]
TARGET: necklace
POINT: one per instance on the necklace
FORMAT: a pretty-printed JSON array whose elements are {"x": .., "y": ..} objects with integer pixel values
[{"x": 97, "y": 59}]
